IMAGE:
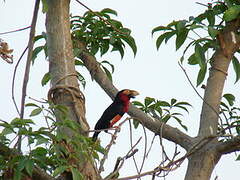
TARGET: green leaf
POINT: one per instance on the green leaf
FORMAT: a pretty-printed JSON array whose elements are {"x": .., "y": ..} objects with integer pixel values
[
  {"x": 180, "y": 25},
  {"x": 169, "y": 35},
  {"x": 201, "y": 75},
  {"x": 35, "y": 52},
  {"x": 109, "y": 11},
  {"x": 109, "y": 75},
  {"x": 41, "y": 140},
  {"x": 111, "y": 65},
  {"x": 31, "y": 105},
  {"x": 76, "y": 174},
  {"x": 78, "y": 63},
  {"x": 180, "y": 123},
  {"x": 38, "y": 37},
  {"x": 148, "y": 101},
  {"x": 236, "y": 67},
  {"x": 104, "y": 47},
  {"x": 77, "y": 52},
  {"x": 181, "y": 37},
  {"x": 137, "y": 103},
  {"x": 238, "y": 158},
  {"x": 118, "y": 47},
  {"x": 173, "y": 101},
  {"x": 165, "y": 36},
  {"x": 210, "y": 17},
  {"x": 29, "y": 166},
  {"x": 230, "y": 98},
  {"x": 44, "y": 6},
  {"x": 22, "y": 163},
  {"x": 212, "y": 32},
  {"x": 59, "y": 170},
  {"x": 135, "y": 123},
  {"x": 192, "y": 60},
  {"x": 46, "y": 78},
  {"x": 163, "y": 103},
  {"x": 17, "y": 174},
  {"x": 200, "y": 56},
  {"x": 232, "y": 13},
  {"x": 160, "y": 40},
  {"x": 36, "y": 112},
  {"x": 81, "y": 79},
  {"x": 7, "y": 131},
  {"x": 131, "y": 42},
  {"x": 161, "y": 28},
  {"x": 166, "y": 118}
]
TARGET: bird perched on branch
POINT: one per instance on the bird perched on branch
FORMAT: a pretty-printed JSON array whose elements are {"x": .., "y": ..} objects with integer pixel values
[{"x": 115, "y": 111}]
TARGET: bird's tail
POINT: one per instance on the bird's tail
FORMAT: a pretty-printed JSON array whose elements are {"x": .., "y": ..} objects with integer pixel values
[{"x": 95, "y": 135}]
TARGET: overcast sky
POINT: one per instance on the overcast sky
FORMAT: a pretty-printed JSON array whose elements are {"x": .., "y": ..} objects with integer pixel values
[{"x": 153, "y": 73}]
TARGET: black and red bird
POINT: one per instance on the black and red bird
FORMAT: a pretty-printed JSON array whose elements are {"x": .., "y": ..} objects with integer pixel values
[{"x": 115, "y": 111}]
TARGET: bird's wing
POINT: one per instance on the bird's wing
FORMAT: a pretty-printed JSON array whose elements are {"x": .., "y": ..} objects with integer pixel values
[{"x": 110, "y": 116}]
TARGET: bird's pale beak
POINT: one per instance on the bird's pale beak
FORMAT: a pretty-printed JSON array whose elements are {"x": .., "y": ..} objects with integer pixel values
[{"x": 133, "y": 93}]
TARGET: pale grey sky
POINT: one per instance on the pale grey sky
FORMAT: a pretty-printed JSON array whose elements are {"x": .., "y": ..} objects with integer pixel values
[{"x": 153, "y": 73}]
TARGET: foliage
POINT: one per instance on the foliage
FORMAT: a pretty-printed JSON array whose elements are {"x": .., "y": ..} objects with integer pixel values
[
  {"x": 47, "y": 148},
  {"x": 202, "y": 31},
  {"x": 230, "y": 122},
  {"x": 100, "y": 33},
  {"x": 162, "y": 110}
]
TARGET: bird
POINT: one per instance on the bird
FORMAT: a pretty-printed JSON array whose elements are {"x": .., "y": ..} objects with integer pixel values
[{"x": 115, "y": 111}]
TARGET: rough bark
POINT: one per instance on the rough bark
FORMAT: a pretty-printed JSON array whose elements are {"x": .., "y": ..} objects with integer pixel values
[
  {"x": 65, "y": 89},
  {"x": 202, "y": 163}
]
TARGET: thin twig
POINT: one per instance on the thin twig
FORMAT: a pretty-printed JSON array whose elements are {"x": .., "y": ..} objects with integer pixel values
[
  {"x": 120, "y": 160},
  {"x": 17, "y": 30},
  {"x": 145, "y": 148},
  {"x": 102, "y": 19},
  {"x": 108, "y": 147},
  {"x": 13, "y": 80},
  {"x": 28, "y": 64},
  {"x": 151, "y": 145},
  {"x": 177, "y": 162},
  {"x": 190, "y": 82},
  {"x": 131, "y": 142}
]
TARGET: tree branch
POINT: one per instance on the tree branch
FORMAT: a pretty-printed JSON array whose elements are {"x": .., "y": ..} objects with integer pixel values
[
  {"x": 169, "y": 133},
  {"x": 28, "y": 65},
  {"x": 229, "y": 146}
]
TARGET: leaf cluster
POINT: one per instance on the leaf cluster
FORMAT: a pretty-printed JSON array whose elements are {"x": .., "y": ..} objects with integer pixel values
[
  {"x": 163, "y": 110},
  {"x": 100, "y": 32},
  {"x": 201, "y": 33},
  {"x": 231, "y": 116},
  {"x": 48, "y": 148}
]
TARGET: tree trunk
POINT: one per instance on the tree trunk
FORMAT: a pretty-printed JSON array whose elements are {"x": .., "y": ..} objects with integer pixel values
[
  {"x": 65, "y": 88},
  {"x": 201, "y": 164},
  {"x": 202, "y": 161}
]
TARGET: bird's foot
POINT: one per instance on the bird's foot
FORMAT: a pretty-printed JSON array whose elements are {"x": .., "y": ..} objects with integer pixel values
[{"x": 118, "y": 128}]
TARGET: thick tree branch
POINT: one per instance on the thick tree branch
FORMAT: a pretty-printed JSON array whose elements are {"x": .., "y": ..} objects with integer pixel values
[
  {"x": 168, "y": 132},
  {"x": 229, "y": 146}
]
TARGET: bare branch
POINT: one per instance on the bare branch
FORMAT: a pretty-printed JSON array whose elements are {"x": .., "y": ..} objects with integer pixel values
[
  {"x": 28, "y": 64},
  {"x": 17, "y": 30}
]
